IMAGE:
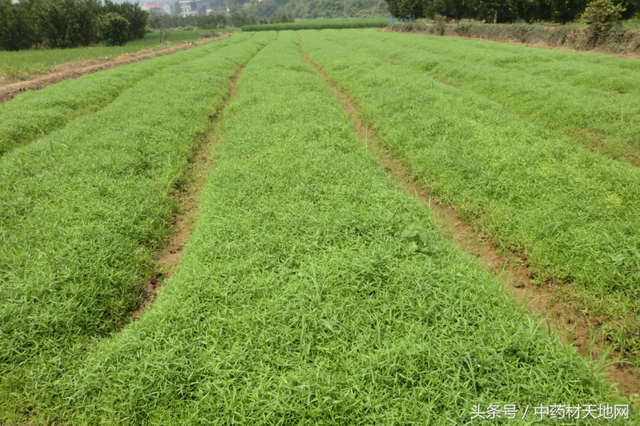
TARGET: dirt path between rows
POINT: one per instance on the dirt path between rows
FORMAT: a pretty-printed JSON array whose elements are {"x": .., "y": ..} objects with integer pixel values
[
  {"x": 10, "y": 88},
  {"x": 184, "y": 222},
  {"x": 573, "y": 326}
]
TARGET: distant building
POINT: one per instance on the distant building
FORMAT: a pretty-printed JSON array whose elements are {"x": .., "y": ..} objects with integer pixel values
[
  {"x": 158, "y": 8},
  {"x": 194, "y": 8}
]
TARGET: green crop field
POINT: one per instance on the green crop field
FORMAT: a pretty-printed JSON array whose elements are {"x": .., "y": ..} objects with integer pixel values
[
  {"x": 593, "y": 98},
  {"x": 22, "y": 63},
  {"x": 313, "y": 289},
  {"x": 529, "y": 182}
]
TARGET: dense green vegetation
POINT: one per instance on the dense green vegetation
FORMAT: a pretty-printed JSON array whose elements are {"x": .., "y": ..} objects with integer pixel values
[
  {"x": 68, "y": 23},
  {"x": 23, "y": 63},
  {"x": 315, "y": 292},
  {"x": 315, "y": 9},
  {"x": 36, "y": 114},
  {"x": 216, "y": 20},
  {"x": 320, "y": 24},
  {"x": 572, "y": 212},
  {"x": 83, "y": 209},
  {"x": 512, "y": 10},
  {"x": 594, "y": 98}
]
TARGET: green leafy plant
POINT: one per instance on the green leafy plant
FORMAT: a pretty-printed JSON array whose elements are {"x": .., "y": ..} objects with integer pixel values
[
  {"x": 441, "y": 25},
  {"x": 300, "y": 286},
  {"x": 521, "y": 168},
  {"x": 113, "y": 30},
  {"x": 84, "y": 207},
  {"x": 601, "y": 16},
  {"x": 56, "y": 105}
]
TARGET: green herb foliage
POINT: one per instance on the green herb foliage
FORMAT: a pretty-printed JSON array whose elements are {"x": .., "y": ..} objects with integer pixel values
[
  {"x": 20, "y": 64},
  {"x": 35, "y": 114},
  {"x": 572, "y": 212},
  {"x": 83, "y": 209},
  {"x": 594, "y": 98},
  {"x": 314, "y": 292}
]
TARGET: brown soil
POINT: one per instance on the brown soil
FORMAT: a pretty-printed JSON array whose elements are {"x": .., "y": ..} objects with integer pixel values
[
  {"x": 573, "y": 326},
  {"x": 10, "y": 88},
  {"x": 168, "y": 257}
]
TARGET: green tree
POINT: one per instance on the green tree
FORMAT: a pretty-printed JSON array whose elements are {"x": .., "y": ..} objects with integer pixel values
[
  {"x": 564, "y": 11},
  {"x": 407, "y": 8},
  {"x": 601, "y": 16},
  {"x": 17, "y": 27},
  {"x": 113, "y": 29},
  {"x": 493, "y": 11},
  {"x": 135, "y": 16},
  {"x": 530, "y": 10},
  {"x": 59, "y": 23}
]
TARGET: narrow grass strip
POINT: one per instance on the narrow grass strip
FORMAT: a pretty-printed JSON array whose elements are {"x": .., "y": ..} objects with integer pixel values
[
  {"x": 600, "y": 108},
  {"x": 21, "y": 64},
  {"x": 83, "y": 209},
  {"x": 585, "y": 69},
  {"x": 35, "y": 114},
  {"x": 320, "y": 24},
  {"x": 572, "y": 212},
  {"x": 314, "y": 292}
]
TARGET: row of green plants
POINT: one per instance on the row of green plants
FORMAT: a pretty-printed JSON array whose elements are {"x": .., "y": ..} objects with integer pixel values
[
  {"x": 320, "y": 24},
  {"x": 82, "y": 212},
  {"x": 35, "y": 114},
  {"x": 69, "y": 23},
  {"x": 586, "y": 70},
  {"x": 27, "y": 64},
  {"x": 571, "y": 212},
  {"x": 594, "y": 99},
  {"x": 315, "y": 292}
]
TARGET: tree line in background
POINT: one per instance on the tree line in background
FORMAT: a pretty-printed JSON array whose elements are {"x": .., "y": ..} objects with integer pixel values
[
  {"x": 217, "y": 20},
  {"x": 251, "y": 12},
  {"x": 561, "y": 11},
  {"x": 314, "y": 9},
  {"x": 68, "y": 23}
]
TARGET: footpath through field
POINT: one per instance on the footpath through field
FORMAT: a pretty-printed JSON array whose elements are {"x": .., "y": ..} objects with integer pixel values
[
  {"x": 316, "y": 292},
  {"x": 593, "y": 98}
]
